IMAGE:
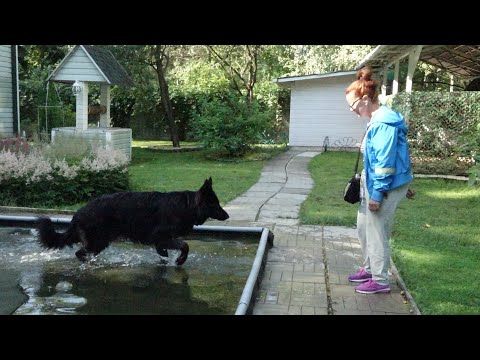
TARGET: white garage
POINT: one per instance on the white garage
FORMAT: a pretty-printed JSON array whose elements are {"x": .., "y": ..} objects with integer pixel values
[{"x": 319, "y": 113}]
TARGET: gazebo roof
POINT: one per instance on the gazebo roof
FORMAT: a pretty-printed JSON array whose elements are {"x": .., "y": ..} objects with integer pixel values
[
  {"x": 459, "y": 60},
  {"x": 103, "y": 66}
]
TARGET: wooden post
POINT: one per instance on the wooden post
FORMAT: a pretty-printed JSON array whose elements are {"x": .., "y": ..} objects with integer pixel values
[
  {"x": 384, "y": 82},
  {"x": 82, "y": 107},
  {"x": 395, "y": 78},
  {"x": 105, "y": 101},
  {"x": 413, "y": 57}
]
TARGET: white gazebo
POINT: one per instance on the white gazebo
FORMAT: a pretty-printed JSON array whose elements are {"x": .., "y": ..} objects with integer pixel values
[{"x": 86, "y": 64}]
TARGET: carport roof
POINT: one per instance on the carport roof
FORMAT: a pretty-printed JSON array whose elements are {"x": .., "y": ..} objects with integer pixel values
[{"x": 459, "y": 60}]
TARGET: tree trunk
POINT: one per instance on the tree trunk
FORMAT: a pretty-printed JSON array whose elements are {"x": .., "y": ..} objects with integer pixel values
[{"x": 167, "y": 104}]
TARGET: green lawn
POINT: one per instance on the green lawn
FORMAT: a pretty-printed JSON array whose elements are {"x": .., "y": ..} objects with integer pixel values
[
  {"x": 435, "y": 242},
  {"x": 160, "y": 171},
  {"x": 152, "y": 170},
  {"x": 325, "y": 205}
]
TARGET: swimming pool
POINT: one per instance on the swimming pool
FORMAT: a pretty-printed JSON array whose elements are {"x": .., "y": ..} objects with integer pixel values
[{"x": 224, "y": 265}]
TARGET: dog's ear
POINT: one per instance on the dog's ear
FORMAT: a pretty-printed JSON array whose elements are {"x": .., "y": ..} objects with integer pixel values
[{"x": 207, "y": 184}]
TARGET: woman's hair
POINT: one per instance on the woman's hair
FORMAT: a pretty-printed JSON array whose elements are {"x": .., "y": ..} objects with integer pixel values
[{"x": 364, "y": 85}]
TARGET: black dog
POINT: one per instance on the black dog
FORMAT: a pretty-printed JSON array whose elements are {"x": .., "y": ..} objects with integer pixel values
[{"x": 151, "y": 218}]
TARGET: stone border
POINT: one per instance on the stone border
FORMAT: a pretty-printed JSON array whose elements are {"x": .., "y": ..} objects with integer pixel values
[
  {"x": 167, "y": 149},
  {"x": 451, "y": 177}
]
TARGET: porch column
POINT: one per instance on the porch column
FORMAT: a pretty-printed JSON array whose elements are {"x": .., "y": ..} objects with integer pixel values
[
  {"x": 105, "y": 101},
  {"x": 413, "y": 57},
  {"x": 395, "y": 78},
  {"x": 82, "y": 107},
  {"x": 384, "y": 82}
]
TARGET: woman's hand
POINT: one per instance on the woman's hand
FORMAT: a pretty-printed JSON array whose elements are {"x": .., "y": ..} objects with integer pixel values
[
  {"x": 373, "y": 205},
  {"x": 410, "y": 193}
]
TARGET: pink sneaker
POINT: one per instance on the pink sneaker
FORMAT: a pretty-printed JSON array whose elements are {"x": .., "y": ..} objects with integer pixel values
[
  {"x": 372, "y": 287},
  {"x": 360, "y": 276}
]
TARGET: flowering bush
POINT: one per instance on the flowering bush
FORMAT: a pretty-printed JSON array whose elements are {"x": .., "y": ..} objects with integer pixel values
[
  {"x": 36, "y": 179},
  {"x": 14, "y": 144}
]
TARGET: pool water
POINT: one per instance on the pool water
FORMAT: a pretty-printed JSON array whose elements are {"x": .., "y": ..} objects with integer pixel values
[{"x": 128, "y": 278}]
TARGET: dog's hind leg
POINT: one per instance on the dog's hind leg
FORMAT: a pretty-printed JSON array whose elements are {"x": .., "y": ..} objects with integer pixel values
[{"x": 93, "y": 241}]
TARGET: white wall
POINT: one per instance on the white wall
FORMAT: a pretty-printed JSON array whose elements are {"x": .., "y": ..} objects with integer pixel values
[
  {"x": 6, "y": 101},
  {"x": 318, "y": 109},
  {"x": 108, "y": 138}
]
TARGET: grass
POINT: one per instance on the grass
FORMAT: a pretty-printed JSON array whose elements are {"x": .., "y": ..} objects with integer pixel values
[
  {"x": 325, "y": 206},
  {"x": 152, "y": 170},
  {"x": 435, "y": 240},
  {"x": 155, "y": 171},
  {"x": 436, "y": 246}
]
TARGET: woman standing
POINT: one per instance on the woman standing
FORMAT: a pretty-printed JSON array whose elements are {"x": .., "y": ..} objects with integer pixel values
[{"x": 384, "y": 181}]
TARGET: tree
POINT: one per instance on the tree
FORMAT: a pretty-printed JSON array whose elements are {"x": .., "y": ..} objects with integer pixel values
[
  {"x": 160, "y": 61},
  {"x": 158, "y": 58},
  {"x": 315, "y": 59},
  {"x": 36, "y": 63},
  {"x": 240, "y": 63}
]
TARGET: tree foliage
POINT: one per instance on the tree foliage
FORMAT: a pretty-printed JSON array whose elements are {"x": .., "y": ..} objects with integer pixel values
[
  {"x": 173, "y": 82},
  {"x": 231, "y": 124},
  {"x": 240, "y": 63}
]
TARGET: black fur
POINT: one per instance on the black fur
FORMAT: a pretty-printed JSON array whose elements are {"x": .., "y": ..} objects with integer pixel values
[{"x": 150, "y": 218}]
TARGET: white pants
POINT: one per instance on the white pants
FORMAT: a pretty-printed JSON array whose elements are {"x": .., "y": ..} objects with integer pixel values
[{"x": 374, "y": 230}]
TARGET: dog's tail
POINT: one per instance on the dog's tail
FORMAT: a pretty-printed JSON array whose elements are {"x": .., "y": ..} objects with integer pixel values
[{"x": 51, "y": 239}]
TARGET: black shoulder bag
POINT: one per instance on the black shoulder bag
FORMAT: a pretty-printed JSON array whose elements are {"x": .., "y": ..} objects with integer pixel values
[{"x": 351, "y": 193}]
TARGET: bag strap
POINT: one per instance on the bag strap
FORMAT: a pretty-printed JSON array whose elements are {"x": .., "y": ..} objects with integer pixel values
[{"x": 358, "y": 156}]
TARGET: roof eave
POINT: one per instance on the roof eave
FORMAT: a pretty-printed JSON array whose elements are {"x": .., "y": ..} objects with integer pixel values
[
  {"x": 61, "y": 63},
  {"x": 292, "y": 79}
]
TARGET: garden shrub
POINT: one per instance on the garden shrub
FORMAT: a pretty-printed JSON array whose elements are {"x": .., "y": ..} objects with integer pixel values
[
  {"x": 231, "y": 124},
  {"x": 41, "y": 179}
]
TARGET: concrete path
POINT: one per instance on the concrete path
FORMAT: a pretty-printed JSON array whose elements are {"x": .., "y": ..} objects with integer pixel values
[{"x": 307, "y": 268}]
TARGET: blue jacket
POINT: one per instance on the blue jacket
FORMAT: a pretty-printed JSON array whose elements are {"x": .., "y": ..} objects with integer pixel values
[{"x": 386, "y": 158}]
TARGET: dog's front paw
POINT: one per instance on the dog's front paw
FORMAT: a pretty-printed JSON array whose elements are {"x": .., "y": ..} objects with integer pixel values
[
  {"x": 81, "y": 255},
  {"x": 181, "y": 259},
  {"x": 163, "y": 252},
  {"x": 184, "y": 255}
]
